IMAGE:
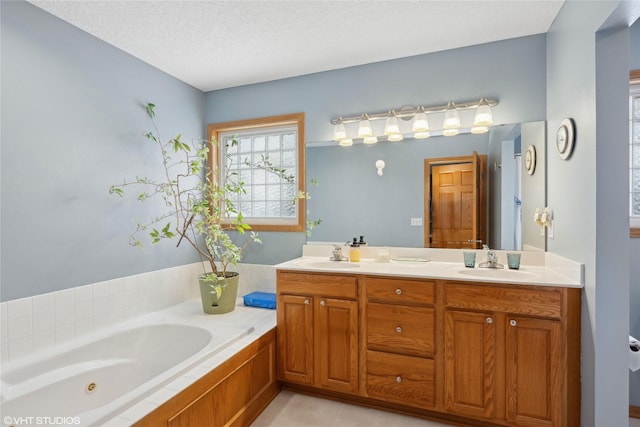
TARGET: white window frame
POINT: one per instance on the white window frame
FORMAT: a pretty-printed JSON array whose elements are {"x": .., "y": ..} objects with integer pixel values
[
  {"x": 634, "y": 90},
  {"x": 249, "y": 129}
]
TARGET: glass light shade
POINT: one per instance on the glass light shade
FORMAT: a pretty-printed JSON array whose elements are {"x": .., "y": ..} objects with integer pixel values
[
  {"x": 339, "y": 132},
  {"x": 451, "y": 117},
  {"x": 395, "y": 137},
  {"x": 480, "y": 129},
  {"x": 420, "y": 123},
  {"x": 391, "y": 127},
  {"x": 370, "y": 140},
  {"x": 347, "y": 142},
  {"x": 421, "y": 135},
  {"x": 483, "y": 117},
  {"x": 364, "y": 128},
  {"x": 450, "y": 132}
]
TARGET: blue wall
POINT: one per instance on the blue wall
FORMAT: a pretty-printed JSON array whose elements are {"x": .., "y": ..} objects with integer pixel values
[
  {"x": 72, "y": 123},
  {"x": 513, "y": 71}
]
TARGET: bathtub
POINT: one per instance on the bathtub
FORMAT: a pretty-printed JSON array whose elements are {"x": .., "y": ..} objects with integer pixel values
[{"x": 95, "y": 378}]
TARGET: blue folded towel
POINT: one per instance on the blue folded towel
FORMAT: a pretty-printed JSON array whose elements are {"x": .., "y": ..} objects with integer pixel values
[{"x": 260, "y": 299}]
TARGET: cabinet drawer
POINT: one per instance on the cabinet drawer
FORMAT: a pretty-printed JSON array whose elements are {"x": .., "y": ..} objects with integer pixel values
[
  {"x": 404, "y": 379},
  {"x": 320, "y": 284},
  {"x": 400, "y": 329},
  {"x": 400, "y": 290},
  {"x": 546, "y": 302}
]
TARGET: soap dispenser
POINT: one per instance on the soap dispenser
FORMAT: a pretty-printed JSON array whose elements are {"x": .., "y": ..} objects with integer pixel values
[
  {"x": 354, "y": 251},
  {"x": 361, "y": 242}
]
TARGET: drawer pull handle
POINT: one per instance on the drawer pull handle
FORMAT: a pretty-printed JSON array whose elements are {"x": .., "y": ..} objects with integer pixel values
[
  {"x": 513, "y": 322},
  {"x": 398, "y": 379},
  {"x": 306, "y": 301},
  {"x": 489, "y": 320},
  {"x": 398, "y": 329},
  {"x": 398, "y": 291},
  {"x": 322, "y": 303}
]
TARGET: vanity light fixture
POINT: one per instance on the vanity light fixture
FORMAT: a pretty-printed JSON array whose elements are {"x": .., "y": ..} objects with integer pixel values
[
  {"x": 347, "y": 142},
  {"x": 339, "y": 132},
  {"x": 364, "y": 128},
  {"x": 451, "y": 122},
  {"x": 420, "y": 125},
  {"x": 419, "y": 121}
]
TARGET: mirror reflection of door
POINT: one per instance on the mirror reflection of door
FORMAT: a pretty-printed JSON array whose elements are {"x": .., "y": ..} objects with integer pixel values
[{"x": 455, "y": 202}]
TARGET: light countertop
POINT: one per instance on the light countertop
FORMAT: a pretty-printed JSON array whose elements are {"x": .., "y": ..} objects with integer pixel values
[{"x": 542, "y": 269}]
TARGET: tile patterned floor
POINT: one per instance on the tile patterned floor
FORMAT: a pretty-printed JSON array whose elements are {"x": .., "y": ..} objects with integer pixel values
[{"x": 297, "y": 410}]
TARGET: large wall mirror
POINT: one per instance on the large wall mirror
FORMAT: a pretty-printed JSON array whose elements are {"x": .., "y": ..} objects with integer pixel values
[{"x": 352, "y": 200}]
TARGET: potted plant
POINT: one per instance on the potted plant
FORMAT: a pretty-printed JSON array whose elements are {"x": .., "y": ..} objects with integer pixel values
[{"x": 198, "y": 212}]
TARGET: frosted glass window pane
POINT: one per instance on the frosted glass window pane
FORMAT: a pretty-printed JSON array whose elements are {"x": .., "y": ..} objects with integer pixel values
[
  {"x": 636, "y": 204},
  {"x": 273, "y": 209},
  {"x": 635, "y": 155},
  {"x": 289, "y": 191},
  {"x": 636, "y": 133},
  {"x": 258, "y": 144},
  {"x": 273, "y": 192},
  {"x": 288, "y": 158},
  {"x": 273, "y": 143},
  {"x": 231, "y": 148},
  {"x": 244, "y": 145},
  {"x": 289, "y": 141},
  {"x": 636, "y": 107},
  {"x": 274, "y": 158},
  {"x": 288, "y": 209},
  {"x": 245, "y": 176},
  {"x": 259, "y": 209},
  {"x": 245, "y": 208},
  {"x": 259, "y": 192},
  {"x": 259, "y": 176},
  {"x": 635, "y": 187},
  {"x": 243, "y": 160}
]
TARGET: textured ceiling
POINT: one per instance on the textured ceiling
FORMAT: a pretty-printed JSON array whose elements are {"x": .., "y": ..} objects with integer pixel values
[{"x": 216, "y": 44}]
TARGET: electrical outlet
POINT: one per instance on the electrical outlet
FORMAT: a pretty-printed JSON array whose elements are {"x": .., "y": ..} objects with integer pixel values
[{"x": 416, "y": 221}]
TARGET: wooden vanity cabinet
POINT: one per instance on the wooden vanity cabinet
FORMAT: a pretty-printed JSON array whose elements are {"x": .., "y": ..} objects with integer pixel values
[
  {"x": 318, "y": 330},
  {"x": 400, "y": 346},
  {"x": 512, "y": 354}
]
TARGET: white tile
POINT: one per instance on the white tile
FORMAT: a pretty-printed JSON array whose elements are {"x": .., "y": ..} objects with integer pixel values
[
  {"x": 4, "y": 353},
  {"x": 100, "y": 306},
  {"x": 116, "y": 301},
  {"x": 65, "y": 333},
  {"x": 117, "y": 422},
  {"x": 197, "y": 372},
  {"x": 64, "y": 316},
  {"x": 84, "y": 310},
  {"x": 84, "y": 326},
  {"x": 64, "y": 298},
  {"x": 116, "y": 287},
  {"x": 138, "y": 411},
  {"x": 180, "y": 383},
  {"x": 131, "y": 310},
  {"x": 19, "y": 308},
  {"x": 19, "y": 328},
  {"x": 130, "y": 285},
  {"x": 84, "y": 293},
  {"x": 161, "y": 396},
  {"x": 43, "y": 303},
  {"x": 100, "y": 289},
  {"x": 101, "y": 321},
  {"x": 44, "y": 321},
  {"x": 116, "y": 314},
  {"x": 20, "y": 348},
  {"x": 43, "y": 339},
  {"x": 4, "y": 336}
]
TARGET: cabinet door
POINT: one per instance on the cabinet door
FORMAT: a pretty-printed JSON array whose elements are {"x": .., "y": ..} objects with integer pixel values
[
  {"x": 336, "y": 344},
  {"x": 469, "y": 363},
  {"x": 295, "y": 338},
  {"x": 534, "y": 377}
]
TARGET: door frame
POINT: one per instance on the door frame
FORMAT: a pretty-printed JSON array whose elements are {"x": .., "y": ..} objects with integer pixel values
[{"x": 482, "y": 209}]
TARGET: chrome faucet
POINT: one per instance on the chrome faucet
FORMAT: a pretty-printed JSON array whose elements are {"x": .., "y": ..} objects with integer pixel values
[
  {"x": 492, "y": 259},
  {"x": 336, "y": 254}
]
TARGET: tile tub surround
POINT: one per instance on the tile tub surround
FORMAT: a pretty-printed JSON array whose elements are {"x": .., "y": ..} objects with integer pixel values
[
  {"x": 536, "y": 268},
  {"x": 30, "y": 325}
]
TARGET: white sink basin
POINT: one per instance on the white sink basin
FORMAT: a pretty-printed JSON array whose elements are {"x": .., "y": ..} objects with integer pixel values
[
  {"x": 497, "y": 273},
  {"x": 330, "y": 264}
]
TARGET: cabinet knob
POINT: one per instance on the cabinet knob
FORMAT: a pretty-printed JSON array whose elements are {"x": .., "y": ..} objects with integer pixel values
[
  {"x": 398, "y": 379},
  {"x": 398, "y": 329},
  {"x": 322, "y": 303},
  {"x": 513, "y": 322},
  {"x": 489, "y": 320},
  {"x": 306, "y": 301},
  {"x": 398, "y": 291}
]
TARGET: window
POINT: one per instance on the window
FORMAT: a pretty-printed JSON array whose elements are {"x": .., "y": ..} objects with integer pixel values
[
  {"x": 267, "y": 156},
  {"x": 634, "y": 153}
]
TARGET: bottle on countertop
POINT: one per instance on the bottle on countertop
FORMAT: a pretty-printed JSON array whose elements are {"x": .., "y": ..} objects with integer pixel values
[
  {"x": 354, "y": 251},
  {"x": 361, "y": 242}
]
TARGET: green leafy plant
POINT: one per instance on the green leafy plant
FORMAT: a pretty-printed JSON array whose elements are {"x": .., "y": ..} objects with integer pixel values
[{"x": 199, "y": 210}]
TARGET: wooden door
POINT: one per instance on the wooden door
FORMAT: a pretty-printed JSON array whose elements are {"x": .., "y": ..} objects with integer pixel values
[
  {"x": 455, "y": 209},
  {"x": 534, "y": 377},
  {"x": 295, "y": 338},
  {"x": 336, "y": 345},
  {"x": 469, "y": 363}
]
